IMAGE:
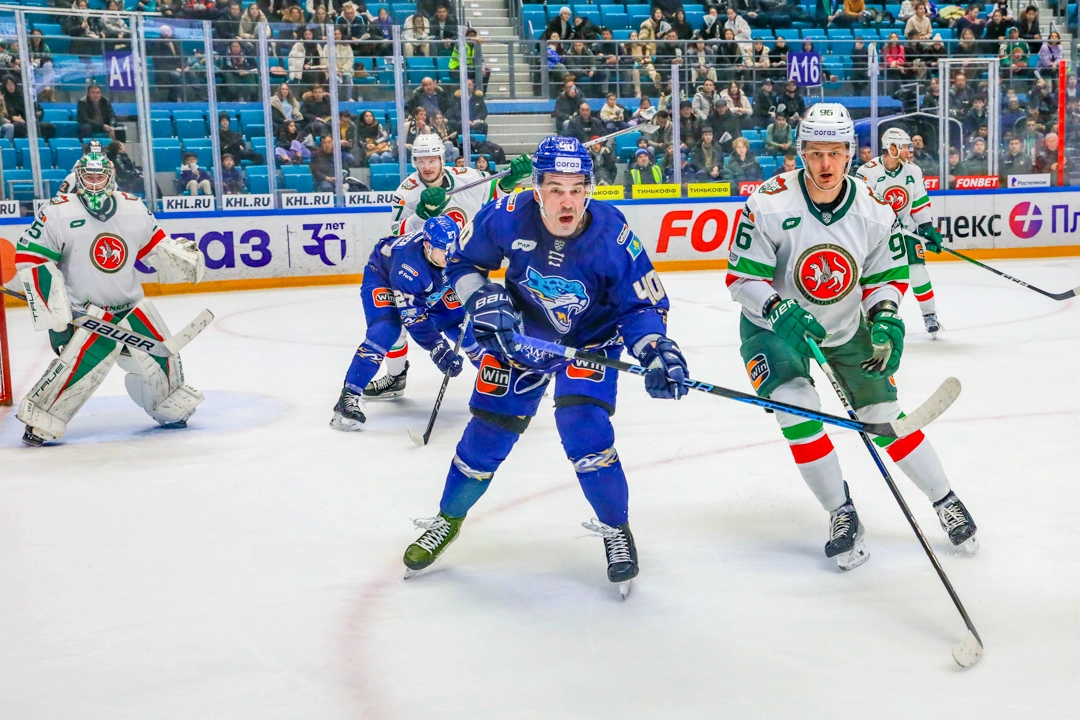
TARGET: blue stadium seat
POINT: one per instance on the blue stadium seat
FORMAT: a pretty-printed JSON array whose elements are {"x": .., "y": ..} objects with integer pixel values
[
  {"x": 625, "y": 145},
  {"x": 55, "y": 114},
  {"x": 18, "y": 185},
  {"x": 203, "y": 150},
  {"x": 52, "y": 179},
  {"x": 287, "y": 170},
  {"x": 189, "y": 115},
  {"x": 300, "y": 183},
  {"x": 161, "y": 127},
  {"x": 537, "y": 15},
  {"x": 789, "y": 34},
  {"x": 258, "y": 180},
  {"x": 190, "y": 128},
  {"x": 621, "y": 35},
  {"x": 66, "y": 128},
  {"x": 166, "y": 153},
  {"x": 249, "y": 117},
  {"x": 614, "y": 17},
  {"x": 384, "y": 176},
  {"x": 22, "y": 148},
  {"x": 7, "y": 156},
  {"x": 254, "y": 130},
  {"x": 638, "y": 14},
  {"x": 258, "y": 144},
  {"x": 66, "y": 157}
]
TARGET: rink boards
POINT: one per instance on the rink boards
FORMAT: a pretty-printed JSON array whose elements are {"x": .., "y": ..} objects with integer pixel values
[{"x": 283, "y": 248}]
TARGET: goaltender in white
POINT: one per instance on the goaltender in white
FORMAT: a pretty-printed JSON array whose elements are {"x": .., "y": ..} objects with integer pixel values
[{"x": 80, "y": 252}]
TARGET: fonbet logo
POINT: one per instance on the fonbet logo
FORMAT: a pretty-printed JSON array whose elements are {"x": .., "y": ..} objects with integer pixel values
[
  {"x": 825, "y": 274},
  {"x": 108, "y": 252},
  {"x": 897, "y": 198},
  {"x": 1025, "y": 220}
]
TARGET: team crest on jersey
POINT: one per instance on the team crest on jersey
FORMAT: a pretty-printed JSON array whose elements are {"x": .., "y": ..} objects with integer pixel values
[
  {"x": 410, "y": 184},
  {"x": 773, "y": 186},
  {"x": 825, "y": 274},
  {"x": 758, "y": 370},
  {"x": 382, "y": 297},
  {"x": 897, "y": 197},
  {"x": 561, "y": 299},
  {"x": 585, "y": 370},
  {"x": 108, "y": 252},
  {"x": 494, "y": 377},
  {"x": 457, "y": 215}
]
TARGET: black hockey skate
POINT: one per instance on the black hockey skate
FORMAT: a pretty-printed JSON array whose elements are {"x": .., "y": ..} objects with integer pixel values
[
  {"x": 387, "y": 387},
  {"x": 29, "y": 438},
  {"x": 957, "y": 522},
  {"x": 846, "y": 536},
  {"x": 621, "y": 553},
  {"x": 349, "y": 412},
  {"x": 931, "y": 322}
]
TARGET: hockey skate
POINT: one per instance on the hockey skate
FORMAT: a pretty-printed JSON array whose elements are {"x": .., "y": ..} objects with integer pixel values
[
  {"x": 387, "y": 387},
  {"x": 621, "y": 553},
  {"x": 440, "y": 531},
  {"x": 31, "y": 439},
  {"x": 348, "y": 412},
  {"x": 846, "y": 536},
  {"x": 957, "y": 522},
  {"x": 931, "y": 322}
]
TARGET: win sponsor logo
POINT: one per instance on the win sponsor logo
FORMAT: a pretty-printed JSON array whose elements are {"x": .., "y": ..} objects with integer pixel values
[{"x": 493, "y": 378}]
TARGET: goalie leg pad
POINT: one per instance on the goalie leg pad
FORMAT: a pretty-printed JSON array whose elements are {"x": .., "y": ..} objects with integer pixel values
[
  {"x": 156, "y": 384},
  {"x": 43, "y": 285},
  {"x": 69, "y": 382}
]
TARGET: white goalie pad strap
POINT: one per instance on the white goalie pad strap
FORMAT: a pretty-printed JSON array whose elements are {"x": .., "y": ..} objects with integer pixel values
[
  {"x": 178, "y": 261},
  {"x": 48, "y": 299},
  {"x": 69, "y": 382},
  {"x": 156, "y": 384}
]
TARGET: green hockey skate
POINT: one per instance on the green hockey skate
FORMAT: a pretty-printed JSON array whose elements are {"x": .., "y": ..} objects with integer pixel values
[{"x": 440, "y": 531}]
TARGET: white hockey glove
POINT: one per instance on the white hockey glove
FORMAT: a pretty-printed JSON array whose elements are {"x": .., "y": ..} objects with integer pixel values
[
  {"x": 47, "y": 296},
  {"x": 179, "y": 260}
]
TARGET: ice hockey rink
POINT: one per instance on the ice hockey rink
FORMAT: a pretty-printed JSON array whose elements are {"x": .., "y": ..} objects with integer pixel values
[{"x": 250, "y": 565}]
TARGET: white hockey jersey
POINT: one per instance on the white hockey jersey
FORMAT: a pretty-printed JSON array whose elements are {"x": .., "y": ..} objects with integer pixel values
[
  {"x": 834, "y": 264},
  {"x": 96, "y": 253},
  {"x": 461, "y": 208},
  {"x": 903, "y": 189}
]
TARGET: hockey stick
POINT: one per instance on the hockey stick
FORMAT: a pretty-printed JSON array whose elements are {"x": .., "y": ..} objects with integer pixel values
[
  {"x": 968, "y": 651},
  {"x": 423, "y": 440},
  {"x": 1053, "y": 296},
  {"x": 926, "y": 413},
  {"x": 646, "y": 125},
  {"x": 149, "y": 345}
]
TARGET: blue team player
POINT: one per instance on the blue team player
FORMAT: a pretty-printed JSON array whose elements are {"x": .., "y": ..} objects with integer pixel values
[
  {"x": 578, "y": 276},
  {"x": 404, "y": 286}
]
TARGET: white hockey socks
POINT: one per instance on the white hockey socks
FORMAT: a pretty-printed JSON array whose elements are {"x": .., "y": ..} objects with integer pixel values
[
  {"x": 922, "y": 289},
  {"x": 399, "y": 354},
  {"x": 810, "y": 445},
  {"x": 69, "y": 381},
  {"x": 913, "y": 454},
  {"x": 156, "y": 384}
]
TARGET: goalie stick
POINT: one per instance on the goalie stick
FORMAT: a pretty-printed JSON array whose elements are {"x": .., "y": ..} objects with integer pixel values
[
  {"x": 125, "y": 336},
  {"x": 1053, "y": 296},
  {"x": 968, "y": 651},
  {"x": 926, "y": 413},
  {"x": 422, "y": 440}
]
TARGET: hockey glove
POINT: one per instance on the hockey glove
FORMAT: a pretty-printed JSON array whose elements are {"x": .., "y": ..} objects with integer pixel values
[
  {"x": 520, "y": 168},
  {"x": 666, "y": 369},
  {"x": 793, "y": 324},
  {"x": 887, "y": 337},
  {"x": 934, "y": 241},
  {"x": 445, "y": 359},
  {"x": 494, "y": 319},
  {"x": 432, "y": 202}
]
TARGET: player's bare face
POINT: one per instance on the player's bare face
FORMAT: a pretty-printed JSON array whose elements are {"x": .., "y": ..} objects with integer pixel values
[
  {"x": 826, "y": 162},
  {"x": 430, "y": 168},
  {"x": 563, "y": 198},
  {"x": 435, "y": 256}
]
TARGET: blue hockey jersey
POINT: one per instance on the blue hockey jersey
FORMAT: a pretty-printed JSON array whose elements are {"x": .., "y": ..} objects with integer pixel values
[
  {"x": 420, "y": 289},
  {"x": 583, "y": 292}
]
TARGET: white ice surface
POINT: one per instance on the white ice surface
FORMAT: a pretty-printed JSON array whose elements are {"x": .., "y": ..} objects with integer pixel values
[{"x": 249, "y": 566}]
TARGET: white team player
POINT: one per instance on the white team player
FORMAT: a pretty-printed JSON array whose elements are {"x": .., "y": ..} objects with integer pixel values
[
  {"x": 819, "y": 254},
  {"x": 80, "y": 252},
  {"x": 900, "y": 182},
  {"x": 425, "y": 194}
]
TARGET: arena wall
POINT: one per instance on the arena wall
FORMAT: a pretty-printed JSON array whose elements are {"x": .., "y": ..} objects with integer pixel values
[{"x": 260, "y": 249}]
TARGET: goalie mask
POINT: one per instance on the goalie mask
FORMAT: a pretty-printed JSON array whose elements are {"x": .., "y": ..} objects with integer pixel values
[{"x": 95, "y": 180}]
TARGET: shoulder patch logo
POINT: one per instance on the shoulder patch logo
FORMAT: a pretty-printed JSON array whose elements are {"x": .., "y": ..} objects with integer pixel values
[
  {"x": 526, "y": 245},
  {"x": 108, "y": 252},
  {"x": 634, "y": 248},
  {"x": 825, "y": 274},
  {"x": 791, "y": 222},
  {"x": 773, "y": 186},
  {"x": 625, "y": 233},
  {"x": 561, "y": 299},
  {"x": 897, "y": 198},
  {"x": 58, "y": 200}
]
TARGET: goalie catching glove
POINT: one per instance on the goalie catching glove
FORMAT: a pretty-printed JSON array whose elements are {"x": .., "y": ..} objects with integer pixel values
[
  {"x": 44, "y": 288},
  {"x": 179, "y": 261}
]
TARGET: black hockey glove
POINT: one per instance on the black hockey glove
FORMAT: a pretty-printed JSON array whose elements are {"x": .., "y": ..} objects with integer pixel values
[
  {"x": 445, "y": 359},
  {"x": 494, "y": 319},
  {"x": 666, "y": 368}
]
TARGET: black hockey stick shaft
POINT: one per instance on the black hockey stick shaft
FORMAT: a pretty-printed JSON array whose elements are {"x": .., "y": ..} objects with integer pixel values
[
  {"x": 1054, "y": 296},
  {"x": 829, "y": 373},
  {"x": 881, "y": 429},
  {"x": 445, "y": 382}
]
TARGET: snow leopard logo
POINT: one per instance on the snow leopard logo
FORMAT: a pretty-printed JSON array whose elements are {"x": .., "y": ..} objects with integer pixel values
[{"x": 561, "y": 299}]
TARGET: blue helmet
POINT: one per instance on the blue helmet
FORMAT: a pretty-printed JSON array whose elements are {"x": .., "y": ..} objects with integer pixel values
[
  {"x": 561, "y": 155},
  {"x": 441, "y": 231}
]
